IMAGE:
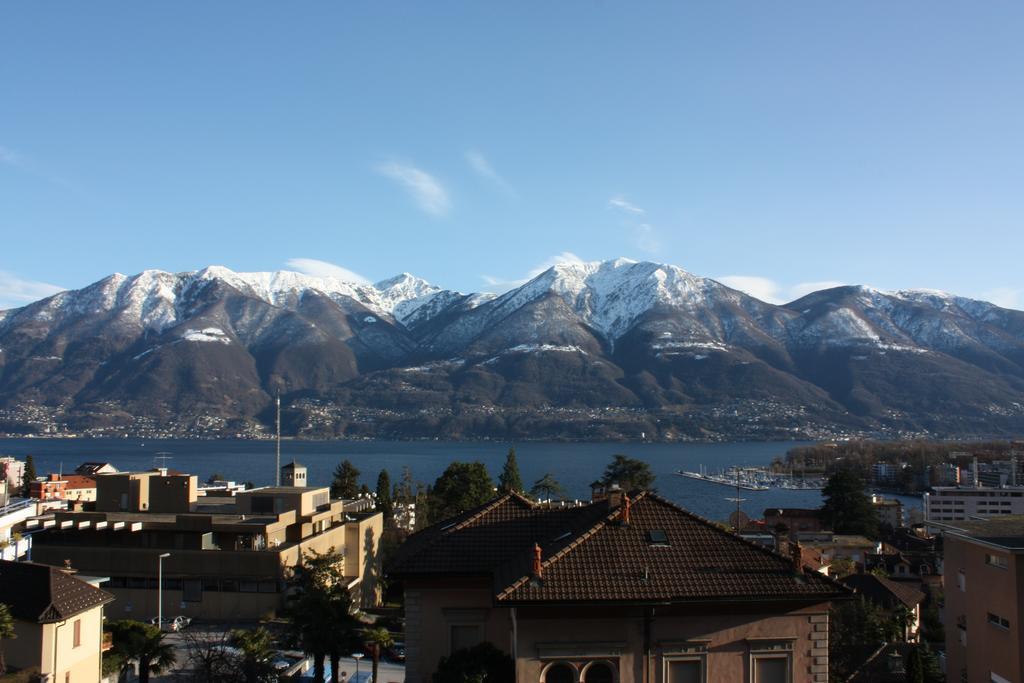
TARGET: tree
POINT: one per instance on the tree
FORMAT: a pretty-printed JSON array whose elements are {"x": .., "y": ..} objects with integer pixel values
[
  {"x": 256, "y": 660},
  {"x": 628, "y": 473},
  {"x": 477, "y": 664},
  {"x": 847, "y": 509},
  {"x": 378, "y": 638},
  {"x": 856, "y": 629},
  {"x": 922, "y": 665},
  {"x": 29, "y": 476},
  {"x": 142, "y": 643},
  {"x": 321, "y": 612},
  {"x": 208, "y": 657},
  {"x": 346, "y": 481},
  {"x": 215, "y": 478},
  {"x": 384, "y": 502},
  {"x": 510, "y": 480},
  {"x": 6, "y": 633},
  {"x": 546, "y": 487},
  {"x": 463, "y": 486}
]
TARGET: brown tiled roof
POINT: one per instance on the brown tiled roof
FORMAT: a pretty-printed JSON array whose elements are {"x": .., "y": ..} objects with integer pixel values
[
  {"x": 589, "y": 555},
  {"x": 885, "y": 591},
  {"x": 80, "y": 481},
  {"x": 45, "y": 594}
]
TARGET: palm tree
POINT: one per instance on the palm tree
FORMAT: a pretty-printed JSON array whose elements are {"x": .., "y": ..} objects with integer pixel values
[
  {"x": 379, "y": 638},
  {"x": 6, "y": 633},
  {"x": 142, "y": 643},
  {"x": 257, "y": 654}
]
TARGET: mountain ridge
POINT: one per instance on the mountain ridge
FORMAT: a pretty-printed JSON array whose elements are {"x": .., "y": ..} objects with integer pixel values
[{"x": 684, "y": 356}]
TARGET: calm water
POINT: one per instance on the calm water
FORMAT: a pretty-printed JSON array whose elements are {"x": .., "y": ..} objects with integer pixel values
[{"x": 575, "y": 465}]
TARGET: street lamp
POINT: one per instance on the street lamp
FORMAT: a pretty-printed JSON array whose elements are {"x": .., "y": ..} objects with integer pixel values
[
  {"x": 357, "y": 656},
  {"x": 160, "y": 590}
]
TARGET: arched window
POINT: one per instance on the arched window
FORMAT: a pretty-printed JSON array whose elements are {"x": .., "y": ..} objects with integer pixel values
[
  {"x": 598, "y": 672},
  {"x": 560, "y": 673}
]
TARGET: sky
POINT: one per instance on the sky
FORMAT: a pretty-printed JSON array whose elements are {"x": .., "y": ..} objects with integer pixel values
[{"x": 777, "y": 147}]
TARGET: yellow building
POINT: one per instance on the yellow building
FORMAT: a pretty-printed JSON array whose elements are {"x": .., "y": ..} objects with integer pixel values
[
  {"x": 227, "y": 557},
  {"x": 58, "y": 622}
]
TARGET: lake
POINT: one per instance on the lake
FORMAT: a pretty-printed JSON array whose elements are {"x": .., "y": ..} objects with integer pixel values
[{"x": 574, "y": 465}]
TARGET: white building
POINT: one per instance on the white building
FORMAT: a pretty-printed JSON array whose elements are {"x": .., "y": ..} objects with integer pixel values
[
  {"x": 12, "y": 471},
  {"x": 12, "y": 518},
  {"x": 950, "y": 503},
  {"x": 889, "y": 511}
]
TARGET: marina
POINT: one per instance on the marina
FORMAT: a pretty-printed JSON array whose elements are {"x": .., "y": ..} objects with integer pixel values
[{"x": 754, "y": 479}]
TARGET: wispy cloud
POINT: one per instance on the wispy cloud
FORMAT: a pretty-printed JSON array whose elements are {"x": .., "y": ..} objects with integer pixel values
[
  {"x": 479, "y": 163},
  {"x": 318, "y": 268},
  {"x": 428, "y": 193},
  {"x": 499, "y": 284},
  {"x": 769, "y": 290},
  {"x": 16, "y": 291},
  {"x": 622, "y": 204},
  {"x": 1007, "y": 297}
]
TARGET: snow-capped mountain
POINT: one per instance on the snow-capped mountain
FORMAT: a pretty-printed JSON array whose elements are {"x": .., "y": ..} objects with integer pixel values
[{"x": 682, "y": 354}]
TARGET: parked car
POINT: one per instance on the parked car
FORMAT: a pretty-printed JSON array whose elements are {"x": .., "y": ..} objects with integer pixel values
[{"x": 396, "y": 652}]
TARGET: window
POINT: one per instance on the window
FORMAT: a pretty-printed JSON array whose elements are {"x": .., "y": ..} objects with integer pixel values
[
  {"x": 78, "y": 633},
  {"x": 192, "y": 590},
  {"x": 771, "y": 669},
  {"x": 961, "y": 580},
  {"x": 559, "y": 673},
  {"x": 684, "y": 671},
  {"x": 999, "y": 621},
  {"x": 657, "y": 537},
  {"x": 997, "y": 561},
  {"x": 464, "y": 636},
  {"x": 598, "y": 672}
]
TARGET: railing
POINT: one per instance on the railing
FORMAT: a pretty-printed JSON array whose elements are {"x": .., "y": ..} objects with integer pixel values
[{"x": 15, "y": 507}]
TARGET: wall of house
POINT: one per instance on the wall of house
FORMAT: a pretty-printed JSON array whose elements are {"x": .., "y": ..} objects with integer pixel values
[
  {"x": 51, "y": 648},
  {"x": 725, "y": 639},
  {"x": 726, "y": 642},
  {"x": 973, "y": 589}
]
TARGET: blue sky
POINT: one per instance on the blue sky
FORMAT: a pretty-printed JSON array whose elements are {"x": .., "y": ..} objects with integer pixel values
[{"x": 772, "y": 145}]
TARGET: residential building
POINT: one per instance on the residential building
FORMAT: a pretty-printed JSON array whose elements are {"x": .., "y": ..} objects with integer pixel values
[
  {"x": 91, "y": 469},
  {"x": 889, "y": 511},
  {"x": 885, "y": 472},
  {"x": 795, "y": 521},
  {"x": 13, "y": 516},
  {"x": 229, "y": 556},
  {"x": 944, "y": 474},
  {"x": 616, "y": 590},
  {"x": 80, "y": 488},
  {"x": 841, "y": 546},
  {"x": 984, "y": 598},
  {"x": 951, "y": 503},
  {"x": 293, "y": 474},
  {"x": 891, "y": 596},
  {"x": 12, "y": 471},
  {"x": 58, "y": 622},
  {"x": 50, "y": 487}
]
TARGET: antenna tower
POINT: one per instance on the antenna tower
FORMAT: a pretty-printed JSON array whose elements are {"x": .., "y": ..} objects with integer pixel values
[{"x": 277, "y": 470}]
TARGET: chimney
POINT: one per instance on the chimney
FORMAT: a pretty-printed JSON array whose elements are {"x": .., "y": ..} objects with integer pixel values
[
  {"x": 54, "y": 477},
  {"x": 626, "y": 505},
  {"x": 67, "y": 568},
  {"x": 796, "y": 558},
  {"x": 538, "y": 569},
  {"x": 597, "y": 492},
  {"x": 614, "y": 496}
]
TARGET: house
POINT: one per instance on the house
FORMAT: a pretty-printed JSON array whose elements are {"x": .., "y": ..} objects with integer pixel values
[
  {"x": 80, "y": 488},
  {"x": 616, "y": 590},
  {"x": 890, "y": 596},
  {"x": 58, "y": 621},
  {"x": 793, "y": 521},
  {"x": 889, "y": 511},
  {"x": 984, "y": 598},
  {"x": 91, "y": 469},
  {"x": 229, "y": 556},
  {"x": 12, "y": 471},
  {"x": 13, "y": 516},
  {"x": 50, "y": 487}
]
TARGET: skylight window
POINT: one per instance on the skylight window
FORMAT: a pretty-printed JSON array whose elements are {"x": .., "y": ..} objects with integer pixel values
[{"x": 657, "y": 537}]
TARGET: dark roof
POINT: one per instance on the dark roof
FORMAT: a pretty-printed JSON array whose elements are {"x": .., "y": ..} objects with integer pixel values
[
  {"x": 1006, "y": 531},
  {"x": 883, "y": 591},
  {"x": 292, "y": 465},
  {"x": 589, "y": 555},
  {"x": 45, "y": 594}
]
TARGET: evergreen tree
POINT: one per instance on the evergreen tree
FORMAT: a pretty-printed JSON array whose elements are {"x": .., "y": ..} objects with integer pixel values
[
  {"x": 546, "y": 487},
  {"x": 847, "y": 509},
  {"x": 463, "y": 486},
  {"x": 30, "y": 475},
  {"x": 384, "y": 501},
  {"x": 346, "y": 481},
  {"x": 510, "y": 480},
  {"x": 628, "y": 473}
]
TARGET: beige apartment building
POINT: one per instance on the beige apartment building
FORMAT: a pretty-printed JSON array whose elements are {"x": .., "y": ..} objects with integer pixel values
[
  {"x": 58, "y": 622},
  {"x": 616, "y": 591},
  {"x": 984, "y": 599},
  {"x": 229, "y": 556}
]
